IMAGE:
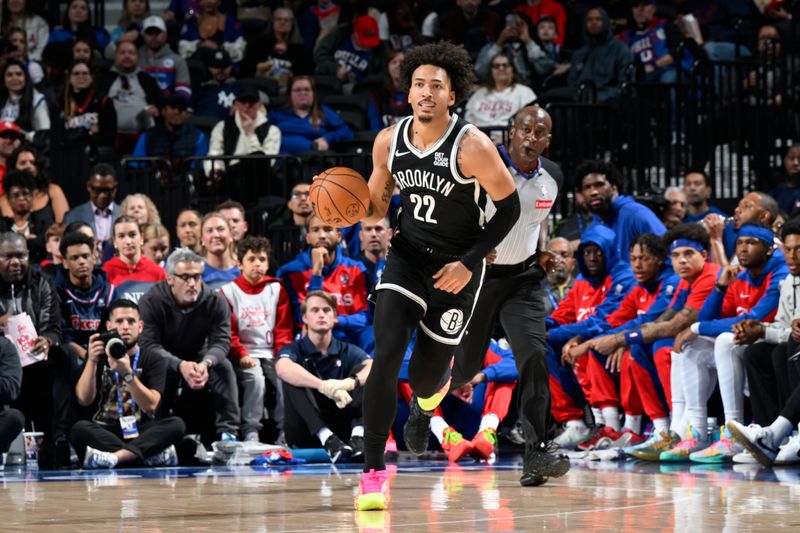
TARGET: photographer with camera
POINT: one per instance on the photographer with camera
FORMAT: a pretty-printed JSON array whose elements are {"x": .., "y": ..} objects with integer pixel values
[{"x": 123, "y": 384}]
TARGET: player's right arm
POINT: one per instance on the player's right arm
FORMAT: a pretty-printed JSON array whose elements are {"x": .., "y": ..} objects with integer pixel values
[
  {"x": 676, "y": 323},
  {"x": 381, "y": 183}
]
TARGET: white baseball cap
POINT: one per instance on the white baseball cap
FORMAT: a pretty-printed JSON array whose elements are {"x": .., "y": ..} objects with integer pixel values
[{"x": 154, "y": 22}]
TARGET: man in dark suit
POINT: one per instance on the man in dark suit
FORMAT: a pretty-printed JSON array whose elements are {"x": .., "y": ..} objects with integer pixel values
[{"x": 101, "y": 210}]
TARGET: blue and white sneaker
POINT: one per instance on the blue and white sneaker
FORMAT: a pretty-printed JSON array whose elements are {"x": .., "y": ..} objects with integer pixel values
[
  {"x": 96, "y": 460},
  {"x": 168, "y": 457},
  {"x": 228, "y": 436}
]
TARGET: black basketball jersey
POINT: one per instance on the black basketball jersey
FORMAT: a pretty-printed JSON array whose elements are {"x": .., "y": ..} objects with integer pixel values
[{"x": 441, "y": 209}]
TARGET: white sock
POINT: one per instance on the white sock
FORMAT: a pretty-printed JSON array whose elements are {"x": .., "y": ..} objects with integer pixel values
[
  {"x": 731, "y": 376},
  {"x": 323, "y": 435},
  {"x": 576, "y": 424},
  {"x": 634, "y": 423},
  {"x": 357, "y": 431},
  {"x": 438, "y": 425},
  {"x": 661, "y": 424},
  {"x": 611, "y": 417},
  {"x": 780, "y": 428},
  {"x": 678, "y": 404},
  {"x": 598, "y": 416},
  {"x": 490, "y": 421}
]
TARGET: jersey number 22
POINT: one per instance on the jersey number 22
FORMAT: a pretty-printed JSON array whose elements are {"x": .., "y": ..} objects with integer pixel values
[{"x": 427, "y": 201}]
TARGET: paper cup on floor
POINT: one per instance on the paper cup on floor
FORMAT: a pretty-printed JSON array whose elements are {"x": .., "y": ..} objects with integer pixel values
[{"x": 33, "y": 442}]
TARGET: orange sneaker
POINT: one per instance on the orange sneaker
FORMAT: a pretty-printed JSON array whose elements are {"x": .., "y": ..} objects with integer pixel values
[
  {"x": 454, "y": 445},
  {"x": 484, "y": 444},
  {"x": 373, "y": 491}
]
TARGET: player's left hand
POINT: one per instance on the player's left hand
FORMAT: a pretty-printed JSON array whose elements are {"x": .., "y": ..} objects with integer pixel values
[{"x": 452, "y": 277}]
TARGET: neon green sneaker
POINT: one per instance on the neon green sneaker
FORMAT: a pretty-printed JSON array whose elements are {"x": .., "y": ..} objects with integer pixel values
[
  {"x": 721, "y": 451},
  {"x": 681, "y": 451}
]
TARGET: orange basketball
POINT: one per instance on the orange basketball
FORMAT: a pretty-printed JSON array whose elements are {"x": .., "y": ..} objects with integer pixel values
[{"x": 340, "y": 196}]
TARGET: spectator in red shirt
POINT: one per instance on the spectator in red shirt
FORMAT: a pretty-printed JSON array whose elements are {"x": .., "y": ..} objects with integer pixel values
[{"x": 130, "y": 272}]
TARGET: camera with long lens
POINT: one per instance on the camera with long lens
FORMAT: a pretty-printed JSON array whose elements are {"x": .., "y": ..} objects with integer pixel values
[{"x": 115, "y": 346}]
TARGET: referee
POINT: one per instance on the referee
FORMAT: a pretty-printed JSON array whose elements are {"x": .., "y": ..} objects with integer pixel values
[{"x": 512, "y": 291}]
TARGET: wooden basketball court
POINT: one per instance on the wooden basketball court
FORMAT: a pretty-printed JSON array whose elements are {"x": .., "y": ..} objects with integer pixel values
[{"x": 429, "y": 496}]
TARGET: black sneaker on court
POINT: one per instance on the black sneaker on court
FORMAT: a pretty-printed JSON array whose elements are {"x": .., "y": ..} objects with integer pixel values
[
  {"x": 417, "y": 430},
  {"x": 337, "y": 450},
  {"x": 357, "y": 444},
  {"x": 540, "y": 465}
]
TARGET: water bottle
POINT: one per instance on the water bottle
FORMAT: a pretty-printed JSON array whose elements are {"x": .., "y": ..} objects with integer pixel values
[{"x": 711, "y": 423}]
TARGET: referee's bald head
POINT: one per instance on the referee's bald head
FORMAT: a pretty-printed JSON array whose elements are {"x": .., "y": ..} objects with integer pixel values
[{"x": 538, "y": 114}]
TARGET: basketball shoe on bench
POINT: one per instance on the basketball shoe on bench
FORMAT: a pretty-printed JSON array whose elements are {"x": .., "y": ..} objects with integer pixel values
[
  {"x": 601, "y": 439},
  {"x": 721, "y": 451},
  {"x": 681, "y": 451},
  {"x": 760, "y": 441},
  {"x": 455, "y": 445},
  {"x": 484, "y": 444}
]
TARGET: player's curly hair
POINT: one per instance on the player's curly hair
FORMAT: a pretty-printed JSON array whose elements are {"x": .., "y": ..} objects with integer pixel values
[
  {"x": 454, "y": 59},
  {"x": 691, "y": 231}
]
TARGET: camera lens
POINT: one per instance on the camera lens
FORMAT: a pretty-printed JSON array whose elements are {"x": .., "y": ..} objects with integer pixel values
[{"x": 116, "y": 348}]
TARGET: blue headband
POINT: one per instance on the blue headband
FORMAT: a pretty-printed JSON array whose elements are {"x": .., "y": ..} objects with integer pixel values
[
  {"x": 762, "y": 234},
  {"x": 680, "y": 243}
]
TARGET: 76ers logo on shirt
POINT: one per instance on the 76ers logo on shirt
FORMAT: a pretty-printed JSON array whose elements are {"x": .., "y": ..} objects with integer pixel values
[{"x": 451, "y": 321}]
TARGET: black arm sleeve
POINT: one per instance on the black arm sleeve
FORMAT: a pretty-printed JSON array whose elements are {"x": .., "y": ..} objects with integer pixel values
[{"x": 508, "y": 210}]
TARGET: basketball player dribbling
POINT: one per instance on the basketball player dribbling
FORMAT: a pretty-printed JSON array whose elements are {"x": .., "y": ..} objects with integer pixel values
[{"x": 444, "y": 167}]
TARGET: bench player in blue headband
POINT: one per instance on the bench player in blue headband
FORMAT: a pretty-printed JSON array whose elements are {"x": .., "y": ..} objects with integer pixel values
[{"x": 748, "y": 290}]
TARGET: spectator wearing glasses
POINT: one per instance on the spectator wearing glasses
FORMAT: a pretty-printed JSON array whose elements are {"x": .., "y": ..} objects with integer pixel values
[
  {"x": 47, "y": 196},
  {"x": 500, "y": 97},
  {"x": 101, "y": 210},
  {"x": 20, "y": 185},
  {"x": 189, "y": 325},
  {"x": 305, "y": 124}
]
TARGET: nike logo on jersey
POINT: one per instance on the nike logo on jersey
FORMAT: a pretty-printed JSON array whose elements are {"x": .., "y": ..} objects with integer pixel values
[{"x": 398, "y": 153}]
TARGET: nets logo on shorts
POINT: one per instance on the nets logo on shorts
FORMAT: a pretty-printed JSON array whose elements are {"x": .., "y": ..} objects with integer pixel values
[{"x": 451, "y": 321}]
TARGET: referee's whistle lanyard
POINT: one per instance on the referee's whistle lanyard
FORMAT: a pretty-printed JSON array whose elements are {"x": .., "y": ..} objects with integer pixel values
[
  {"x": 120, "y": 406},
  {"x": 510, "y": 163}
]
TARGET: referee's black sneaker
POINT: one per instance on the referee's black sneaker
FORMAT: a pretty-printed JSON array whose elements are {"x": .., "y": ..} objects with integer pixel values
[
  {"x": 540, "y": 465},
  {"x": 417, "y": 430}
]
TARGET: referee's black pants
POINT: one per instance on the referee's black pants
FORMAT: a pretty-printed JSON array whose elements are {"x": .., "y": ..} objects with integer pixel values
[{"x": 518, "y": 301}]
